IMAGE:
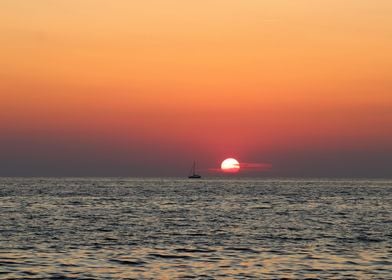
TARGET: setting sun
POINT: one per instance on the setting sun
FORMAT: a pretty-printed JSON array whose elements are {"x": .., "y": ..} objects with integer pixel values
[{"x": 230, "y": 165}]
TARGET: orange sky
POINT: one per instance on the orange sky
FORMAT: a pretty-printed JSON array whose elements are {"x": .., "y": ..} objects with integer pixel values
[{"x": 132, "y": 83}]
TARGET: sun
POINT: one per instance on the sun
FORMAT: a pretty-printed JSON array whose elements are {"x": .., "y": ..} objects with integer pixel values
[{"x": 230, "y": 165}]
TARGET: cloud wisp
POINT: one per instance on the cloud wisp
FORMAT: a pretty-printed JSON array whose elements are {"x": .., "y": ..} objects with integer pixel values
[
  {"x": 247, "y": 167},
  {"x": 253, "y": 166}
]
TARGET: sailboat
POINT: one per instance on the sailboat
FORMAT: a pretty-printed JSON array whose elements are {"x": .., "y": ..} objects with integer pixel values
[{"x": 193, "y": 172}]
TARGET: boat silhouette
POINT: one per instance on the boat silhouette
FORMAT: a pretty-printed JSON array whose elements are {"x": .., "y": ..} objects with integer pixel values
[{"x": 193, "y": 174}]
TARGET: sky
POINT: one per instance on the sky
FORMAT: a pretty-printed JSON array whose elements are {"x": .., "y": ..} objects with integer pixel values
[{"x": 143, "y": 88}]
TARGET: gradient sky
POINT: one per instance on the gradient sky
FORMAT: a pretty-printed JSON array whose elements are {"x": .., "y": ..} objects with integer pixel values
[{"x": 142, "y": 88}]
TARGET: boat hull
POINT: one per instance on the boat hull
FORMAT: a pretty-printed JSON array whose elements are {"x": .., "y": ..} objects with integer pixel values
[{"x": 194, "y": 177}]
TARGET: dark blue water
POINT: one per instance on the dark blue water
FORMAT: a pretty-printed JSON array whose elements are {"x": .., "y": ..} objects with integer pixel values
[{"x": 203, "y": 229}]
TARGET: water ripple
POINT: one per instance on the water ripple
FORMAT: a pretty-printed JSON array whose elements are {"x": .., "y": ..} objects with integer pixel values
[{"x": 92, "y": 228}]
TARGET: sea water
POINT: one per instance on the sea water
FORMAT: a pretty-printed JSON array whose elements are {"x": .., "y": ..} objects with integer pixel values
[{"x": 125, "y": 228}]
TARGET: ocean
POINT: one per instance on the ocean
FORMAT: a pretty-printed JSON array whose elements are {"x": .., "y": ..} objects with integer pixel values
[{"x": 174, "y": 228}]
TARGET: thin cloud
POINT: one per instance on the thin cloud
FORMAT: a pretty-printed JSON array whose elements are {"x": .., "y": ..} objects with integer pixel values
[
  {"x": 253, "y": 166},
  {"x": 247, "y": 166}
]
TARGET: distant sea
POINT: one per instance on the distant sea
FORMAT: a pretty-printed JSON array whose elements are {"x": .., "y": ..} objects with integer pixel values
[{"x": 125, "y": 228}]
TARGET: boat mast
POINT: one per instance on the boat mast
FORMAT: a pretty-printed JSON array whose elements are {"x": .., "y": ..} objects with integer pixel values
[{"x": 193, "y": 174}]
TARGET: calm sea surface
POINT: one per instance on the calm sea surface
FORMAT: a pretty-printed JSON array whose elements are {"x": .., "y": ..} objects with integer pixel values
[{"x": 203, "y": 229}]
